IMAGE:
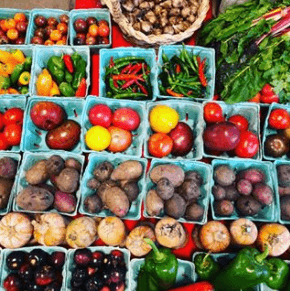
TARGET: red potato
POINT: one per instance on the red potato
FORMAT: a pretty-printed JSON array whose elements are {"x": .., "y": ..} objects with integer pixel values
[
  {"x": 253, "y": 175},
  {"x": 64, "y": 202},
  {"x": 244, "y": 187},
  {"x": 283, "y": 191},
  {"x": 263, "y": 193}
]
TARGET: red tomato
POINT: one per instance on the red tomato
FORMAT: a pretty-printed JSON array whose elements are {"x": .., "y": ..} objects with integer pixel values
[
  {"x": 213, "y": 112},
  {"x": 126, "y": 118},
  {"x": 12, "y": 134},
  {"x": 256, "y": 98},
  {"x": 101, "y": 114},
  {"x": 268, "y": 99},
  {"x": 240, "y": 122},
  {"x": 3, "y": 143},
  {"x": 267, "y": 90},
  {"x": 104, "y": 30},
  {"x": 13, "y": 116},
  {"x": 279, "y": 119},
  {"x": 120, "y": 139},
  {"x": 248, "y": 145},
  {"x": 160, "y": 145}
]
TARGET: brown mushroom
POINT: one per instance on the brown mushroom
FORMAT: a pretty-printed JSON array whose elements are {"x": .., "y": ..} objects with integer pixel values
[
  {"x": 174, "y": 12},
  {"x": 191, "y": 18},
  {"x": 151, "y": 4},
  {"x": 146, "y": 27},
  {"x": 193, "y": 9},
  {"x": 179, "y": 3},
  {"x": 137, "y": 26},
  {"x": 151, "y": 17},
  {"x": 185, "y": 12},
  {"x": 166, "y": 4},
  {"x": 157, "y": 31},
  {"x": 157, "y": 9},
  {"x": 144, "y": 5},
  {"x": 163, "y": 18},
  {"x": 168, "y": 30},
  {"x": 173, "y": 20},
  {"x": 128, "y": 5}
]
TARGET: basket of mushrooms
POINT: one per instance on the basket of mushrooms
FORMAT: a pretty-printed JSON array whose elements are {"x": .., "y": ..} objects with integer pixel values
[{"x": 157, "y": 22}]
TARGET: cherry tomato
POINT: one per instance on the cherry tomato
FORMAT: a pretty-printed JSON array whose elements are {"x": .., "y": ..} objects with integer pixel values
[
  {"x": 93, "y": 30},
  {"x": 13, "y": 116},
  {"x": 213, "y": 112},
  {"x": 160, "y": 145},
  {"x": 12, "y": 33},
  {"x": 55, "y": 35},
  {"x": 126, "y": 118},
  {"x": 120, "y": 139},
  {"x": 279, "y": 119},
  {"x": 248, "y": 145},
  {"x": 101, "y": 114},
  {"x": 20, "y": 17},
  {"x": 62, "y": 27},
  {"x": 256, "y": 98},
  {"x": 104, "y": 30},
  {"x": 3, "y": 143},
  {"x": 240, "y": 122},
  {"x": 12, "y": 134}
]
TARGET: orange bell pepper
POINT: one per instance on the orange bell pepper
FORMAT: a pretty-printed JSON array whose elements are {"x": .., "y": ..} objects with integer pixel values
[
  {"x": 44, "y": 83},
  {"x": 54, "y": 91}
]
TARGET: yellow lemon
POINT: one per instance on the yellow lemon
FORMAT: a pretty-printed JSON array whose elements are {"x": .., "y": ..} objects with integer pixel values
[
  {"x": 98, "y": 138},
  {"x": 163, "y": 118}
]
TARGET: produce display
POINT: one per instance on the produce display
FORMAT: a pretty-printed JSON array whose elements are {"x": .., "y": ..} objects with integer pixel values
[
  {"x": 91, "y": 31},
  {"x": 13, "y": 30},
  {"x": 112, "y": 131},
  {"x": 50, "y": 31},
  {"x": 128, "y": 78},
  {"x": 64, "y": 76},
  {"x": 34, "y": 269},
  {"x": 183, "y": 75},
  {"x": 15, "y": 71}
]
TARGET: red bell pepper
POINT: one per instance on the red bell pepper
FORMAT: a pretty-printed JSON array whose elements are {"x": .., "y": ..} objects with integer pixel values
[
  {"x": 81, "y": 91},
  {"x": 200, "y": 286},
  {"x": 174, "y": 94},
  {"x": 68, "y": 63},
  {"x": 201, "y": 75}
]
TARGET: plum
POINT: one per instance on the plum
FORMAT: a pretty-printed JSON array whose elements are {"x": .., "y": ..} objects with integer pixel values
[
  {"x": 244, "y": 187},
  {"x": 263, "y": 194},
  {"x": 224, "y": 175},
  {"x": 224, "y": 207},
  {"x": 218, "y": 192}
]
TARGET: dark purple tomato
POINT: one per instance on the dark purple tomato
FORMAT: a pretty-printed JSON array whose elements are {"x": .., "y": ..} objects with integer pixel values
[
  {"x": 80, "y": 25},
  {"x": 64, "y": 18},
  {"x": 21, "y": 26},
  {"x": 37, "y": 40},
  {"x": 40, "y": 21},
  {"x": 103, "y": 40},
  {"x": 51, "y": 21},
  {"x": 40, "y": 32},
  {"x": 91, "y": 20}
]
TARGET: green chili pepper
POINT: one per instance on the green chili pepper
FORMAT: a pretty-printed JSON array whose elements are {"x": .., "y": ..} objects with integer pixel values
[
  {"x": 113, "y": 88},
  {"x": 66, "y": 90},
  {"x": 129, "y": 95},
  {"x": 165, "y": 58},
  {"x": 57, "y": 62},
  {"x": 128, "y": 59},
  {"x": 5, "y": 82},
  {"x": 80, "y": 73},
  {"x": 27, "y": 63},
  {"x": 68, "y": 76},
  {"x": 279, "y": 272},
  {"x": 18, "y": 69},
  {"x": 205, "y": 266},
  {"x": 248, "y": 269},
  {"x": 187, "y": 59},
  {"x": 24, "y": 90},
  {"x": 75, "y": 57}
]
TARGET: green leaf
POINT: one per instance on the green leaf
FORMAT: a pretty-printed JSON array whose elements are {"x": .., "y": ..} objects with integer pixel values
[
  {"x": 224, "y": 48},
  {"x": 265, "y": 65},
  {"x": 233, "y": 58}
]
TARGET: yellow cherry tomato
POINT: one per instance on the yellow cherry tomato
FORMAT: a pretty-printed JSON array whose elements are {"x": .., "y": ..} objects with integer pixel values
[
  {"x": 163, "y": 118},
  {"x": 98, "y": 138}
]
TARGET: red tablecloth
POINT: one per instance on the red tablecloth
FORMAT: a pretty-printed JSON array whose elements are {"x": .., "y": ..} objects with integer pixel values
[{"x": 118, "y": 41}]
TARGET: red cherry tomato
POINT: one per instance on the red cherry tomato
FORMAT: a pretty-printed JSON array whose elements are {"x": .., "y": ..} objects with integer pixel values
[
  {"x": 213, "y": 112},
  {"x": 120, "y": 139},
  {"x": 126, "y": 118},
  {"x": 160, "y": 145},
  {"x": 248, "y": 145},
  {"x": 13, "y": 116},
  {"x": 3, "y": 143},
  {"x": 279, "y": 119},
  {"x": 240, "y": 122},
  {"x": 101, "y": 114},
  {"x": 12, "y": 134}
]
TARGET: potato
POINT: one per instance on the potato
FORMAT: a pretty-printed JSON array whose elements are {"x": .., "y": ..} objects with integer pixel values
[
  {"x": 224, "y": 207},
  {"x": 93, "y": 184},
  {"x": 73, "y": 163},
  {"x": 154, "y": 204},
  {"x": 224, "y": 175},
  {"x": 232, "y": 193},
  {"x": 165, "y": 189},
  {"x": 253, "y": 175},
  {"x": 5, "y": 190},
  {"x": 189, "y": 191},
  {"x": 117, "y": 201},
  {"x": 68, "y": 180},
  {"x": 283, "y": 191},
  {"x": 93, "y": 204},
  {"x": 283, "y": 172},
  {"x": 54, "y": 165},
  {"x": 219, "y": 192},
  {"x": 195, "y": 176},
  {"x": 64, "y": 202},
  {"x": 38, "y": 173},
  {"x": 175, "y": 206},
  {"x": 194, "y": 212},
  {"x": 247, "y": 205},
  {"x": 173, "y": 173},
  {"x": 8, "y": 168},
  {"x": 34, "y": 198},
  {"x": 263, "y": 194},
  {"x": 132, "y": 190},
  {"x": 129, "y": 170},
  {"x": 244, "y": 187},
  {"x": 103, "y": 171},
  {"x": 102, "y": 190},
  {"x": 285, "y": 207}
]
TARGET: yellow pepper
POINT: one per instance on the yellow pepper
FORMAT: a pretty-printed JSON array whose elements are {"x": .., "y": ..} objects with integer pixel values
[
  {"x": 6, "y": 57},
  {"x": 18, "y": 56},
  {"x": 6, "y": 69},
  {"x": 54, "y": 90},
  {"x": 44, "y": 83},
  {"x": 13, "y": 91},
  {"x": 24, "y": 78}
]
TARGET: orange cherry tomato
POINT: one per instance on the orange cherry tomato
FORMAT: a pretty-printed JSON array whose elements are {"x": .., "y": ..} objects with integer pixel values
[
  {"x": 20, "y": 17},
  {"x": 64, "y": 38},
  {"x": 93, "y": 30},
  {"x": 55, "y": 35},
  {"x": 104, "y": 30},
  {"x": 62, "y": 27},
  {"x": 12, "y": 33},
  {"x": 60, "y": 42},
  {"x": 4, "y": 25},
  {"x": 11, "y": 23},
  {"x": 49, "y": 42}
]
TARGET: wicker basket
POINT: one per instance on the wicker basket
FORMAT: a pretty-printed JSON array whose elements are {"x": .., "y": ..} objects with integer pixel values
[{"x": 140, "y": 39}]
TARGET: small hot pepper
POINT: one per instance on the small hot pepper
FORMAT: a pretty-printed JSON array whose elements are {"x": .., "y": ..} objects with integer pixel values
[
  {"x": 279, "y": 272},
  {"x": 57, "y": 62},
  {"x": 68, "y": 76},
  {"x": 18, "y": 69},
  {"x": 27, "y": 63},
  {"x": 205, "y": 266},
  {"x": 172, "y": 93},
  {"x": 24, "y": 78},
  {"x": 248, "y": 269},
  {"x": 161, "y": 265},
  {"x": 18, "y": 55},
  {"x": 68, "y": 63},
  {"x": 200, "y": 286},
  {"x": 80, "y": 72},
  {"x": 66, "y": 90},
  {"x": 82, "y": 89},
  {"x": 75, "y": 57},
  {"x": 201, "y": 75}
]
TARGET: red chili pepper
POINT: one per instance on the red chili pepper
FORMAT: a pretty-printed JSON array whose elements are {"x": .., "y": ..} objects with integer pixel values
[
  {"x": 201, "y": 75},
  {"x": 172, "y": 93},
  {"x": 127, "y": 77},
  {"x": 189, "y": 92},
  {"x": 177, "y": 69},
  {"x": 116, "y": 85},
  {"x": 127, "y": 84},
  {"x": 135, "y": 69},
  {"x": 142, "y": 88},
  {"x": 81, "y": 91},
  {"x": 200, "y": 286},
  {"x": 126, "y": 69},
  {"x": 68, "y": 63},
  {"x": 112, "y": 64}
]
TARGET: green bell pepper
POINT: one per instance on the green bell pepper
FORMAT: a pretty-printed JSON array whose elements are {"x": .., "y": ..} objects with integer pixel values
[
  {"x": 18, "y": 69},
  {"x": 66, "y": 90},
  {"x": 68, "y": 76},
  {"x": 80, "y": 73},
  {"x": 5, "y": 82},
  {"x": 145, "y": 282},
  {"x": 248, "y": 269},
  {"x": 205, "y": 266},
  {"x": 24, "y": 90},
  {"x": 27, "y": 63},
  {"x": 75, "y": 57},
  {"x": 279, "y": 272},
  {"x": 161, "y": 265},
  {"x": 57, "y": 62}
]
